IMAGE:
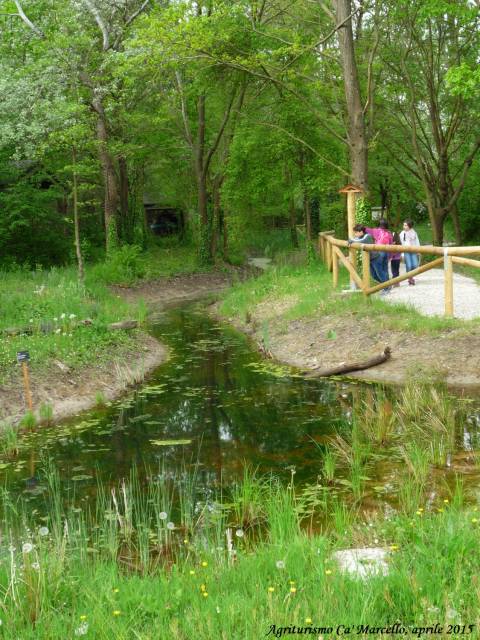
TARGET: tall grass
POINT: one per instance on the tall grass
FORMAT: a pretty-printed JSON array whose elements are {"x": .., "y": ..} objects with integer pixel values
[{"x": 119, "y": 570}]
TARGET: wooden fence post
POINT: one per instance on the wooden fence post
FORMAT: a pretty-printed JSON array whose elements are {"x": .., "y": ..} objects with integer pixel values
[
  {"x": 335, "y": 269},
  {"x": 366, "y": 271},
  {"x": 328, "y": 254},
  {"x": 448, "y": 271}
]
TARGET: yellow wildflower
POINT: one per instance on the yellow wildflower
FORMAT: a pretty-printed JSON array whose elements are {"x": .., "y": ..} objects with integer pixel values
[
  {"x": 271, "y": 589},
  {"x": 83, "y": 617},
  {"x": 308, "y": 621},
  {"x": 394, "y": 547},
  {"x": 205, "y": 594},
  {"x": 192, "y": 572},
  {"x": 446, "y": 500},
  {"x": 116, "y": 612},
  {"x": 116, "y": 590},
  {"x": 328, "y": 572},
  {"x": 204, "y": 564},
  {"x": 293, "y": 589},
  {"x": 474, "y": 520},
  {"x": 203, "y": 587}
]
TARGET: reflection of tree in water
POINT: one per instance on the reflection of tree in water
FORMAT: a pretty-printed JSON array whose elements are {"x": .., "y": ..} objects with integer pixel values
[{"x": 232, "y": 413}]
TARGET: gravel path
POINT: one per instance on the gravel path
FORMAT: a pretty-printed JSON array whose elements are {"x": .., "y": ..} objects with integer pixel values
[{"x": 428, "y": 295}]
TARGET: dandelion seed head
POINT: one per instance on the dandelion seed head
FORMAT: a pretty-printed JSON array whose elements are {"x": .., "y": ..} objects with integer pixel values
[
  {"x": 280, "y": 564},
  {"x": 163, "y": 515},
  {"x": 239, "y": 533},
  {"x": 82, "y": 629},
  {"x": 170, "y": 526},
  {"x": 36, "y": 566},
  {"x": 43, "y": 531},
  {"x": 27, "y": 547}
]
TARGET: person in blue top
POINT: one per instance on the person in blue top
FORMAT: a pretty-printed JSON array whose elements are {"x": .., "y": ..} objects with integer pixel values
[{"x": 378, "y": 269}]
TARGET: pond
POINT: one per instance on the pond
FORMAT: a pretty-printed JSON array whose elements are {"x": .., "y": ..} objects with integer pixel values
[{"x": 217, "y": 406}]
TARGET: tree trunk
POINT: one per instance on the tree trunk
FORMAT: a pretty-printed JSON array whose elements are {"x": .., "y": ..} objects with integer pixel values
[
  {"x": 357, "y": 139},
  {"x": 456, "y": 225},
  {"x": 293, "y": 223},
  {"x": 125, "y": 226},
  {"x": 109, "y": 179},
  {"x": 76, "y": 223}
]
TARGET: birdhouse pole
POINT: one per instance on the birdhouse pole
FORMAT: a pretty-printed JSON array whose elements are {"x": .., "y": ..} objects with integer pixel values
[{"x": 351, "y": 191}]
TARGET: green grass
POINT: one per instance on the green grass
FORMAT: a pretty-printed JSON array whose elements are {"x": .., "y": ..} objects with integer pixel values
[
  {"x": 122, "y": 573},
  {"x": 312, "y": 285},
  {"x": 50, "y": 307}
]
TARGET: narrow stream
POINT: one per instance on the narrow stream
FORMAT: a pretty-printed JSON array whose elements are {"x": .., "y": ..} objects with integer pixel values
[{"x": 216, "y": 406}]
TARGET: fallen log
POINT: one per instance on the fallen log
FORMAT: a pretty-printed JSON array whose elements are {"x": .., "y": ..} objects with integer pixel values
[{"x": 347, "y": 368}]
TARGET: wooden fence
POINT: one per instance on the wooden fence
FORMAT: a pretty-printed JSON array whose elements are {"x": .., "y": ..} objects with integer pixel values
[{"x": 331, "y": 252}]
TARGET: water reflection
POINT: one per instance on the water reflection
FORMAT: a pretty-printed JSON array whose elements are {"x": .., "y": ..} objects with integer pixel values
[{"x": 214, "y": 395}]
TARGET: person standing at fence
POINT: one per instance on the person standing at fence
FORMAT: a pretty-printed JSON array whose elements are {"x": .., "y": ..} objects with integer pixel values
[
  {"x": 382, "y": 235},
  {"x": 395, "y": 259},
  {"x": 377, "y": 270},
  {"x": 409, "y": 238}
]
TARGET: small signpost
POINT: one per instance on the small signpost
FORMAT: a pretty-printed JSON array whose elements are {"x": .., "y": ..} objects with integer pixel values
[{"x": 23, "y": 358}]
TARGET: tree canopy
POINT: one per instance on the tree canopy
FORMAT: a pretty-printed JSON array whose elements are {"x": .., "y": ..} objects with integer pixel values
[{"x": 238, "y": 114}]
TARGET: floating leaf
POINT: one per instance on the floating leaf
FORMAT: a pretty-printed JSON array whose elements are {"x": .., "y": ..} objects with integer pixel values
[{"x": 81, "y": 477}]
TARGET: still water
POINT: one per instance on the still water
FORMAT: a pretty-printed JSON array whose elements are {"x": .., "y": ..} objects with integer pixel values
[{"x": 214, "y": 406}]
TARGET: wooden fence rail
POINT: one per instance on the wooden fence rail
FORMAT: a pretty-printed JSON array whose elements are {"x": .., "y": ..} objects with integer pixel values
[{"x": 330, "y": 250}]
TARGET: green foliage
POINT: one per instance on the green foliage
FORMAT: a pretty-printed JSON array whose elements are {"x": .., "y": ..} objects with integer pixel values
[{"x": 363, "y": 212}]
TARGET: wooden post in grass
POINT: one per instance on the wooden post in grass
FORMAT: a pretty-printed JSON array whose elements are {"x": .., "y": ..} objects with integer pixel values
[
  {"x": 366, "y": 271},
  {"x": 351, "y": 190},
  {"x": 328, "y": 254},
  {"x": 335, "y": 269},
  {"x": 22, "y": 358},
  {"x": 448, "y": 271}
]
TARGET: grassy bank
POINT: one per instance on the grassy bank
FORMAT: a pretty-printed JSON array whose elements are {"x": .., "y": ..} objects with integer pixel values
[
  {"x": 135, "y": 567},
  {"x": 48, "y": 309},
  {"x": 305, "y": 290}
]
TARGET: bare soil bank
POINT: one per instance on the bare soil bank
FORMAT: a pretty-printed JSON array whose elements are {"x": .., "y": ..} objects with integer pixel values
[
  {"x": 450, "y": 356},
  {"x": 72, "y": 391}
]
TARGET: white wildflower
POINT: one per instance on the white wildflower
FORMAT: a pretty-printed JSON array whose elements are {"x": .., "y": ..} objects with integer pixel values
[
  {"x": 27, "y": 547},
  {"x": 72, "y": 316},
  {"x": 63, "y": 316},
  {"x": 55, "y": 319},
  {"x": 82, "y": 629},
  {"x": 36, "y": 566}
]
